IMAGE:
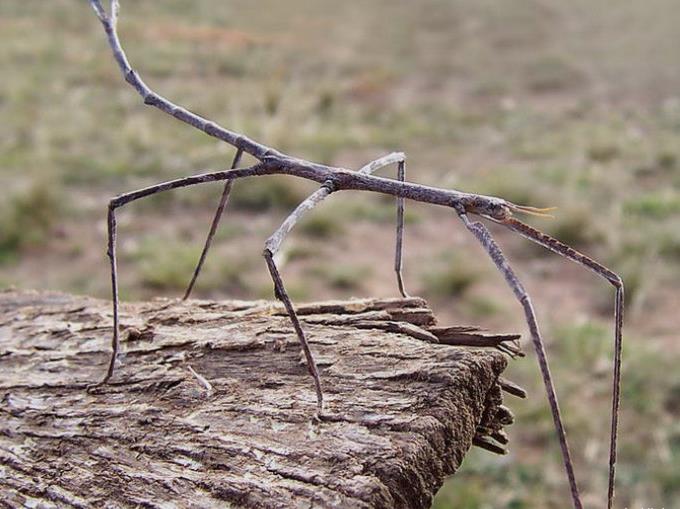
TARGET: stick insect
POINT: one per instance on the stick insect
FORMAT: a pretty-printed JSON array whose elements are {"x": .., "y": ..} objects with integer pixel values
[{"x": 334, "y": 179}]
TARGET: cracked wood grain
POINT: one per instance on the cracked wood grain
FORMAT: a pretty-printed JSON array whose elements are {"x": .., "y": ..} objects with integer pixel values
[{"x": 211, "y": 405}]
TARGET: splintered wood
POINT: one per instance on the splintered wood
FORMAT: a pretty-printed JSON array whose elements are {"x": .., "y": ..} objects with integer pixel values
[{"x": 213, "y": 406}]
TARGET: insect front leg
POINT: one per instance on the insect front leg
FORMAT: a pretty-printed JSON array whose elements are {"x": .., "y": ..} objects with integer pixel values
[
  {"x": 484, "y": 237},
  {"x": 615, "y": 280}
]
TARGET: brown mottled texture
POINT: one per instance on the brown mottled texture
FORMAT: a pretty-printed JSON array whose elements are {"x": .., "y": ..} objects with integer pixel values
[{"x": 401, "y": 412}]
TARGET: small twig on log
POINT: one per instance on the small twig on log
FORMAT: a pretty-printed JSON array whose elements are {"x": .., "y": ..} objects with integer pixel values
[{"x": 201, "y": 379}]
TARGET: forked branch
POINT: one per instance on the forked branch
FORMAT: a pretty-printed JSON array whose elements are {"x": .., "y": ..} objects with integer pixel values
[{"x": 332, "y": 179}]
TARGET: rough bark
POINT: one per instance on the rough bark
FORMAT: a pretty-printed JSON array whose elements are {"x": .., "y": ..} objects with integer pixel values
[{"x": 212, "y": 406}]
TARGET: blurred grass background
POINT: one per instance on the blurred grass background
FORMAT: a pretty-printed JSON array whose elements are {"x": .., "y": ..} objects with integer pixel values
[{"x": 541, "y": 102}]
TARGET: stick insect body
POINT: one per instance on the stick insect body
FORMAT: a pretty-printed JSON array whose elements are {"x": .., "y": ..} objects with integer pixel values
[{"x": 332, "y": 179}]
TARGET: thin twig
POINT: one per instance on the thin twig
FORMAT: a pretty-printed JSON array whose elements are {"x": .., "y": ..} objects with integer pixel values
[{"x": 201, "y": 379}]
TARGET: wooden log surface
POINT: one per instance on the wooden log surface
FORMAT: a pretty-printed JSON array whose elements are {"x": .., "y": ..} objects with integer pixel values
[{"x": 212, "y": 405}]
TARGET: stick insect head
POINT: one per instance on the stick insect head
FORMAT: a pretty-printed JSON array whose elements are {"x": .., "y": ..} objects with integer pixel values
[
  {"x": 490, "y": 207},
  {"x": 499, "y": 210}
]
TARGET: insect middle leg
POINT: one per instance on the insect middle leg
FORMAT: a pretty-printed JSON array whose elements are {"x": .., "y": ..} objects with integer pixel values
[
  {"x": 369, "y": 169},
  {"x": 213, "y": 227},
  {"x": 272, "y": 246}
]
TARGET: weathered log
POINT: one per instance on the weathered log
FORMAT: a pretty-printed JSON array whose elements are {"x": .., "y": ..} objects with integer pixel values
[{"x": 213, "y": 407}]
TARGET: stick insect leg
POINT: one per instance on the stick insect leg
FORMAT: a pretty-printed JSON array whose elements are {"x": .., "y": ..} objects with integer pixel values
[
  {"x": 401, "y": 171},
  {"x": 124, "y": 199},
  {"x": 213, "y": 227},
  {"x": 111, "y": 253},
  {"x": 282, "y": 295},
  {"x": 272, "y": 245},
  {"x": 561, "y": 249},
  {"x": 494, "y": 251},
  {"x": 369, "y": 169}
]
